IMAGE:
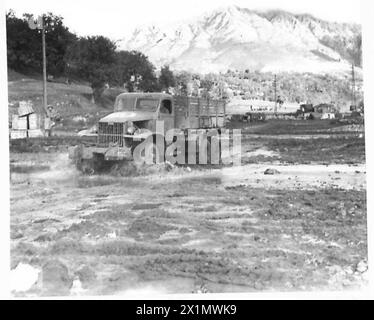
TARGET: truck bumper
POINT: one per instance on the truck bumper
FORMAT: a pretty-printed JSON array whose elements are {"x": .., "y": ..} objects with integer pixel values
[{"x": 109, "y": 154}]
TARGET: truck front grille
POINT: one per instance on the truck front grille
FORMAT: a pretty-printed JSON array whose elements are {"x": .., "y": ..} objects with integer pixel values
[{"x": 111, "y": 134}]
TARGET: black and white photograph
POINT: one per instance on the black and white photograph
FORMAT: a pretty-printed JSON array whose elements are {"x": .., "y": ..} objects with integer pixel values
[{"x": 194, "y": 148}]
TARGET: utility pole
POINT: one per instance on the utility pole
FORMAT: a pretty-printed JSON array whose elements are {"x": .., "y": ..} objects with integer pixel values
[
  {"x": 353, "y": 86},
  {"x": 275, "y": 93},
  {"x": 40, "y": 26},
  {"x": 44, "y": 69}
]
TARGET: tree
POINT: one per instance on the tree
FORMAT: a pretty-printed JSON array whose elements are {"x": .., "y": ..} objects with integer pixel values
[
  {"x": 182, "y": 80},
  {"x": 133, "y": 70},
  {"x": 92, "y": 59},
  {"x": 58, "y": 39},
  {"x": 166, "y": 79},
  {"x": 24, "y": 45},
  {"x": 207, "y": 84}
]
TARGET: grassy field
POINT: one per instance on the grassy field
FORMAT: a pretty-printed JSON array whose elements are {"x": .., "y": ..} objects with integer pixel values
[{"x": 68, "y": 100}]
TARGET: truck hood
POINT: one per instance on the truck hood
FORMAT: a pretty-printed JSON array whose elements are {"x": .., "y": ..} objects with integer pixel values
[{"x": 124, "y": 116}]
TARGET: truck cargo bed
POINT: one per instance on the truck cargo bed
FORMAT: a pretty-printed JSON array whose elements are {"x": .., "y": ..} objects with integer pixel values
[{"x": 195, "y": 113}]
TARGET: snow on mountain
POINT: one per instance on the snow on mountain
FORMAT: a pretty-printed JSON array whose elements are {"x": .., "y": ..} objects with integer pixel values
[{"x": 238, "y": 38}]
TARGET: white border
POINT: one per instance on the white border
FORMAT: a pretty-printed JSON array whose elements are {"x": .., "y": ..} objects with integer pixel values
[
  {"x": 4, "y": 165},
  {"x": 368, "y": 35}
]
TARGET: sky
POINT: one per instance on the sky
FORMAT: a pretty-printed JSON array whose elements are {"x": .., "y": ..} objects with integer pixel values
[{"x": 114, "y": 18}]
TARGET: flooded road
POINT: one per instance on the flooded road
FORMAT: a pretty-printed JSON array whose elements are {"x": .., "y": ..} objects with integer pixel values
[{"x": 184, "y": 230}]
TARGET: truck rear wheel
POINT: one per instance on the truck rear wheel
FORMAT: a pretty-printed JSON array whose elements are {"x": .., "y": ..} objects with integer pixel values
[{"x": 216, "y": 157}]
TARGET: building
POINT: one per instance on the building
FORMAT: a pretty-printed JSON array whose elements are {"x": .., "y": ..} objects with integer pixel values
[{"x": 30, "y": 121}]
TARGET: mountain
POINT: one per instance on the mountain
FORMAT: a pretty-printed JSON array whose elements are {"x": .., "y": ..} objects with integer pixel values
[{"x": 239, "y": 38}]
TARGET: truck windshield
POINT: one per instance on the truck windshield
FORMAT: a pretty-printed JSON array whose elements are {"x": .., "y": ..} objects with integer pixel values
[
  {"x": 124, "y": 104},
  {"x": 147, "y": 104}
]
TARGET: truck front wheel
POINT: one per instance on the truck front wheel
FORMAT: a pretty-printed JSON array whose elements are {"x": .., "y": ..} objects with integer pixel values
[{"x": 90, "y": 166}]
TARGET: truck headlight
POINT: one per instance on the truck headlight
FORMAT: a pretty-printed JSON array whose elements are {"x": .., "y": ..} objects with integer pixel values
[{"x": 130, "y": 128}]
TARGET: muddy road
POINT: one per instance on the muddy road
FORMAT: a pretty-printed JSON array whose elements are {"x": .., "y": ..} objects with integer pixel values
[{"x": 185, "y": 230}]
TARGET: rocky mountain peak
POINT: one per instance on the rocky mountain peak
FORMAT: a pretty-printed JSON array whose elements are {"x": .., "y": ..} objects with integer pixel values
[{"x": 239, "y": 38}]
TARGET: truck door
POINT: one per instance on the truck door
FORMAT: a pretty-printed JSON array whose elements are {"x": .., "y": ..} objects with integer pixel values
[{"x": 167, "y": 114}]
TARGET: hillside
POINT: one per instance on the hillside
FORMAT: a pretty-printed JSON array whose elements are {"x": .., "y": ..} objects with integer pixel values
[
  {"x": 293, "y": 87},
  {"x": 239, "y": 39},
  {"x": 75, "y": 100},
  {"x": 69, "y": 101}
]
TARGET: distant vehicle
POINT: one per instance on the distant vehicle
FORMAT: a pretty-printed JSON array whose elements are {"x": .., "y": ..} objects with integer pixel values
[
  {"x": 356, "y": 114},
  {"x": 134, "y": 120},
  {"x": 254, "y": 117},
  {"x": 91, "y": 132},
  {"x": 354, "y": 108}
]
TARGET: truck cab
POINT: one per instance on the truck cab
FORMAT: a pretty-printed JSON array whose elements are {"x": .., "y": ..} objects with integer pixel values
[{"x": 138, "y": 111}]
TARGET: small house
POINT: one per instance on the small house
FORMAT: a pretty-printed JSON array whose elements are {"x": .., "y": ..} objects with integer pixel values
[
  {"x": 328, "y": 115},
  {"x": 30, "y": 121},
  {"x": 325, "y": 108}
]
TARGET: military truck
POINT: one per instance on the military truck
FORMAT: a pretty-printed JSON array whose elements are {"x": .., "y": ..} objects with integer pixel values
[{"x": 134, "y": 120}]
